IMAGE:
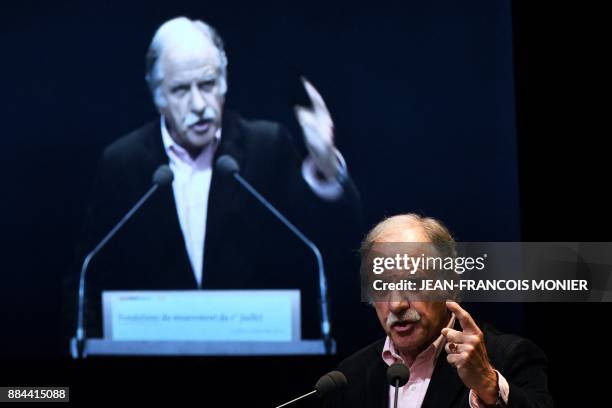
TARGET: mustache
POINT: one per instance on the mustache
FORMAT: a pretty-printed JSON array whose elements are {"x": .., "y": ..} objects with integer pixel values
[
  {"x": 192, "y": 118},
  {"x": 408, "y": 316}
]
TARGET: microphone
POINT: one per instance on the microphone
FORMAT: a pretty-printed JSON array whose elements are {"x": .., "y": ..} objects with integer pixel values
[
  {"x": 397, "y": 375},
  {"x": 329, "y": 384},
  {"x": 228, "y": 166},
  {"x": 162, "y": 177}
]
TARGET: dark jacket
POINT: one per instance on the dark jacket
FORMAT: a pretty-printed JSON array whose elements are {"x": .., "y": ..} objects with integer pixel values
[{"x": 519, "y": 360}]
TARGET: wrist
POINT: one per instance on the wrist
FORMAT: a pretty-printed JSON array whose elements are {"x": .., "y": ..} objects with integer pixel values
[
  {"x": 330, "y": 166},
  {"x": 489, "y": 391},
  {"x": 331, "y": 172}
]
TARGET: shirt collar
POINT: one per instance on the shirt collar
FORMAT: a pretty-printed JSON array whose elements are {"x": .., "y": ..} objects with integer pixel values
[{"x": 390, "y": 354}]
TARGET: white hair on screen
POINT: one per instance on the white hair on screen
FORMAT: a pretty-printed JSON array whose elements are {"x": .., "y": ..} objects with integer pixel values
[{"x": 180, "y": 27}]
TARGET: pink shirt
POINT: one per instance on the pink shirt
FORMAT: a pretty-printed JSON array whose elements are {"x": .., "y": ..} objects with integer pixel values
[
  {"x": 190, "y": 188},
  {"x": 411, "y": 395}
]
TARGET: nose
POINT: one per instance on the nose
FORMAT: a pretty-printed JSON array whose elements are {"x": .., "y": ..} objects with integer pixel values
[
  {"x": 399, "y": 305},
  {"x": 198, "y": 103}
]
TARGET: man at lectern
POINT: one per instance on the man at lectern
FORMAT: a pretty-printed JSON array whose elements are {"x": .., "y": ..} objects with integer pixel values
[{"x": 205, "y": 231}]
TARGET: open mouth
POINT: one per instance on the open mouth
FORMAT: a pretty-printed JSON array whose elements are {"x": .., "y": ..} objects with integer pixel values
[
  {"x": 202, "y": 126},
  {"x": 403, "y": 327}
]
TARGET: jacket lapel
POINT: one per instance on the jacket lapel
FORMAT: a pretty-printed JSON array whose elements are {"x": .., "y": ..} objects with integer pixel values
[
  {"x": 377, "y": 387},
  {"x": 222, "y": 197},
  {"x": 445, "y": 385}
]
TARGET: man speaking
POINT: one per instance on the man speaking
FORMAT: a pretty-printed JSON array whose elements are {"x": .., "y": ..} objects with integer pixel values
[
  {"x": 205, "y": 231},
  {"x": 453, "y": 361}
]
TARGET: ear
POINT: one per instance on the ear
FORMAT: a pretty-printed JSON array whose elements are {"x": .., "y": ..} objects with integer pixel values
[
  {"x": 159, "y": 99},
  {"x": 223, "y": 85}
]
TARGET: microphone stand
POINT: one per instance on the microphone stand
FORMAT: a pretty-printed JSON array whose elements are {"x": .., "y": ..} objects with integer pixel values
[
  {"x": 77, "y": 344},
  {"x": 297, "y": 399},
  {"x": 324, "y": 307},
  {"x": 397, "y": 381}
]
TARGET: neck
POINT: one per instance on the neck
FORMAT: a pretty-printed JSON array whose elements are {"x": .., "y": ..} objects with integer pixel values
[
  {"x": 194, "y": 153},
  {"x": 411, "y": 355}
]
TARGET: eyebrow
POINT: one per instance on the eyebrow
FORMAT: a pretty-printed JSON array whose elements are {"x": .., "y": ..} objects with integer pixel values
[{"x": 207, "y": 77}]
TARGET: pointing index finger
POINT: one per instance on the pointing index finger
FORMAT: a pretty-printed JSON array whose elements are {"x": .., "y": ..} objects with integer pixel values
[
  {"x": 316, "y": 98},
  {"x": 465, "y": 320}
]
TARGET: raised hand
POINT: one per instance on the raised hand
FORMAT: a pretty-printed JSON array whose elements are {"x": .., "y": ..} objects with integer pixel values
[
  {"x": 318, "y": 130},
  {"x": 468, "y": 354}
]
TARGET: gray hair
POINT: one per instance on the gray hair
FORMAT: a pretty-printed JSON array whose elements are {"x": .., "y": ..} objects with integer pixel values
[
  {"x": 153, "y": 74},
  {"x": 434, "y": 229}
]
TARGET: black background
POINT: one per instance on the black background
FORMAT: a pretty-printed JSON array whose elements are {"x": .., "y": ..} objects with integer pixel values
[
  {"x": 564, "y": 171},
  {"x": 423, "y": 100}
]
